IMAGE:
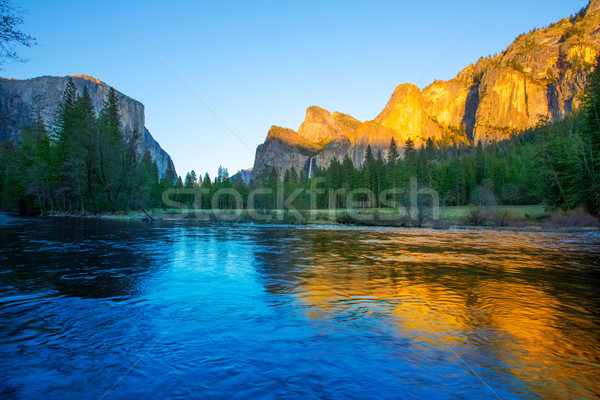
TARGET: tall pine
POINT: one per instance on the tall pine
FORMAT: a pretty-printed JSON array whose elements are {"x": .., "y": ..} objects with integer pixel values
[{"x": 591, "y": 140}]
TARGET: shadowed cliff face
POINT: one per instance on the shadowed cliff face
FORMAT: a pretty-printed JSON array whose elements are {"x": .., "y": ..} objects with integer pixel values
[
  {"x": 22, "y": 100},
  {"x": 539, "y": 75}
]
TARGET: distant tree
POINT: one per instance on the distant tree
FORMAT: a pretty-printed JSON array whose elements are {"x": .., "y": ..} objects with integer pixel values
[
  {"x": 409, "y": 148},
  {"x": 148, "y": 182},
  {"x": 409, "y": 160},
  {"x": 110, "y": 118},
  {"x": 188, "y": 181},
  {"x": 169, "y": 180},
  {"x": 392, "y": 162},
  {"x": 272, "y": 182},
  {"x": 222, "y": 175},
  {"x": 369, "y": 173},
  {"x": 591, "y": 140},
  {"x": 430, "y": 149},
  {"x": 179, "y": 183},
  {"x": 206, "y": 180},
  {"x": 393, "y": 155}
]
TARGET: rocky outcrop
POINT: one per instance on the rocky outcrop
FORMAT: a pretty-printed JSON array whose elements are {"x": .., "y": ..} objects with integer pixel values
[
  {"x": 282, "y": 150},
  {"x": 22, "y": 100},
  {"x": 540, "y": 75},
  {"x": 321, "y": 127},
  {"x": 245, "y": 175},
  {"x": 320, "y": 138}
]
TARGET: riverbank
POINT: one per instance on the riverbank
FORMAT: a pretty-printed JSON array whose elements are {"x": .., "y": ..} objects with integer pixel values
[{"x": 514, "y": 218}]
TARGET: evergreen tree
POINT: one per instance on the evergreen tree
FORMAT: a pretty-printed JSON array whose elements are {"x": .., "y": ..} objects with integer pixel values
[
  {"x": 392, "y": 162},
  {"x": 114, "y": 165},
  {"x": 64, "y": 115},
  {"x": 409, "y": 160},
  {"x": 110, "y": 119},
  {"x": 206, "y": 182},
  {"x": 370, "y": 171},
  {"x": 168, "y": 182},
  {"x": 188, "y": 181},
  {"x": 590, "y": 130}
]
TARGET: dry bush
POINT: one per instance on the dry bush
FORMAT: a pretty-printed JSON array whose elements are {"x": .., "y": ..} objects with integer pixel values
[{"x": 578, "y": 218}]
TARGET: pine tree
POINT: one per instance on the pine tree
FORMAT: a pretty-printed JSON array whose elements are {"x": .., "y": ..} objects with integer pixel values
[
  {"x": 409, "y": 160},
  {"x": 188, "y": 183},
  {"x": 392, "y": 156},
  {"x": 169, "y": 180},
  {"x": 110, "y": 119},
  {"x": 76, "y": 124},
  {"x": 272, "y": 182},
  {"x": 380, "y": 182},
  {"x": 430, "y": 149},
  {"x": 115, "y": 161},
  {"x": 392, "y": 162},
  {"x": 63, "y": 122},
  {"x": 63, "y": 136},
  {"x": 369, "y": 165},
  {"x": 591, "y": 140},
  {"x": 206, "y": 182}
]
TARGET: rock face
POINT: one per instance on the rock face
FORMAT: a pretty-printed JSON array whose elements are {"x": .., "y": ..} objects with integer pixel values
[
  {"x": 22, "y": 100},
  {"x": 243, "y": 175},
  {"x": 321, "y": 137},
  {"x": 538, "y": 76}
]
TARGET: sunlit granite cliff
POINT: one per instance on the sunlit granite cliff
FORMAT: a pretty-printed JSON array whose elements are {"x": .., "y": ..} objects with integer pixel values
[{"x": 539, "y": 75}]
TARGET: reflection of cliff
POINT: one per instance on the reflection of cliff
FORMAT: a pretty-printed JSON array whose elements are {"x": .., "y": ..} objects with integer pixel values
[{"x": 494, "y": 298}]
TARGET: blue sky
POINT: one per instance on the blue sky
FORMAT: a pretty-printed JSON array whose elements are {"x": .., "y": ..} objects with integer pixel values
[{"x": 262, "y": 63}]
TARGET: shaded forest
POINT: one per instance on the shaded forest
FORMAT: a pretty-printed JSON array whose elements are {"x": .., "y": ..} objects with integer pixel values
[{"x": 83, "y": 164}]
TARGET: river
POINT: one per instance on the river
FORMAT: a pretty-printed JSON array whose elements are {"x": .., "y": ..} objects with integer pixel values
[{"x": 109, "y": 309}]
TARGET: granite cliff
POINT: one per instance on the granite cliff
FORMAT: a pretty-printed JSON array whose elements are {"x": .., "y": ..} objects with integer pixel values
[
  {"x": 22, "y": 100},
  {"x": 538, "y": 76}
]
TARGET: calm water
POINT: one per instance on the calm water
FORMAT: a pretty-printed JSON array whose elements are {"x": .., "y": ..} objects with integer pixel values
[{"x": 135, "y": 310}]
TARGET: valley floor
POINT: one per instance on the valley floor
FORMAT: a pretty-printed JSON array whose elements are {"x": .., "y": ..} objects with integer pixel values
[{"x": 525, "y": 217}]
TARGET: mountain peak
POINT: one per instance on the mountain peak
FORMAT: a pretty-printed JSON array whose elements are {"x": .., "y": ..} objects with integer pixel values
[
  {"x": 319, "y": 125},
  {"x": 540, "y": 73},
  {"x": 22, "y": 97},
  {"x": 594, "y": 6},
  {"x": 89, "y": 78}
]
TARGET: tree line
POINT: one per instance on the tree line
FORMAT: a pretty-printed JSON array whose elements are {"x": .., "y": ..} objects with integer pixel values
[
  {"x": 556, "y": 163},
  {"x": 86, "y": 164}
]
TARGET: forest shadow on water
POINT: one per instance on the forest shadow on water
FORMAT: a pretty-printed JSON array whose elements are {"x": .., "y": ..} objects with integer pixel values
[{"x": 252, "y": 311}]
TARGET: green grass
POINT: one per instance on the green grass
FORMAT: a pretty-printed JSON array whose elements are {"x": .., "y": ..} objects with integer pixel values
[
  {"x": 461, "y": 212},
  {"x": 453, "y": 214}
]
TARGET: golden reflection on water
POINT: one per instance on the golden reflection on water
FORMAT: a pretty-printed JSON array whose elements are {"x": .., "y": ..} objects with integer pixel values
[{"x": 498, "y": 292}]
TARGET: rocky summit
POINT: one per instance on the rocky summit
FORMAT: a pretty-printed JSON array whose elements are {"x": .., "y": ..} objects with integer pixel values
[
  {"x": 539, "y": 76},
  {"x": 22, "y": 100}
]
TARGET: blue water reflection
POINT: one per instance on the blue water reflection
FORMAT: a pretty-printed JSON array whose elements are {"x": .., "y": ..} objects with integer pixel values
[{"x": 120, "y": 309}]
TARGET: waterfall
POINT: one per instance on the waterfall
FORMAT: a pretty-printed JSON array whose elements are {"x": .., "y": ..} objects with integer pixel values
[{"x": 310, "y": 167}]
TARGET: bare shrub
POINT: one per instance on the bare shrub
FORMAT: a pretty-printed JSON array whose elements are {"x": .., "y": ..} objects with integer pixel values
[
  {"x": 578, "y": 218},
  {"x": 477, "y": 216}
]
